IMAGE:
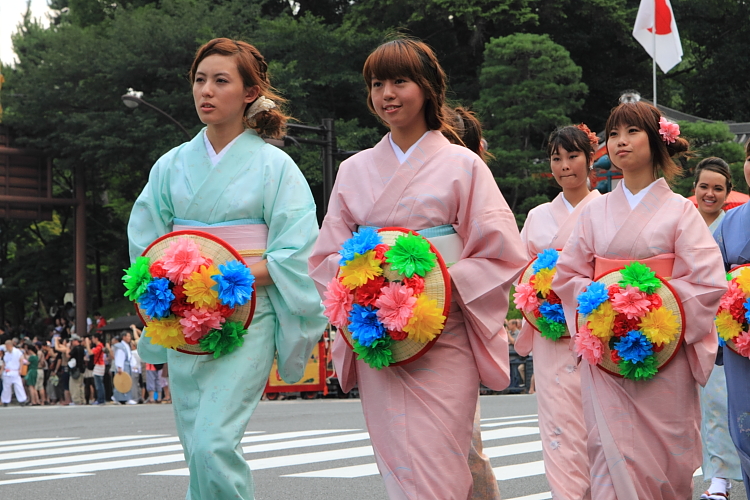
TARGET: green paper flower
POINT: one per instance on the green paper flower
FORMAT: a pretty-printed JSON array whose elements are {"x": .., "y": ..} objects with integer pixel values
[
  {"x": 640, "y": 276},
  {"x": 645, "y": 370},
  {"x": 136, "y": 278},
  {"x": 224, "y": 341},
  {"x": 411, "y": 255},
  {"x": 550, "y": 329},
  {"x": 377, "y": 355},
  {"x": 729, "y": 276}
]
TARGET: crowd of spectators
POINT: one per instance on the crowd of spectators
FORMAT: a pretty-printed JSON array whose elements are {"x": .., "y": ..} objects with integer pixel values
[{"x": 64, "y": 368}]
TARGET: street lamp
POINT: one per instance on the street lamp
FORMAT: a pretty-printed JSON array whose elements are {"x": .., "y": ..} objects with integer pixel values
[{"x": 133, "y": 98}]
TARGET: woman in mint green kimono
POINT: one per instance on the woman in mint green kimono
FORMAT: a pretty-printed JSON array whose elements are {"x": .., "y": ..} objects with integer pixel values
[{"x": 231, "y": 183}]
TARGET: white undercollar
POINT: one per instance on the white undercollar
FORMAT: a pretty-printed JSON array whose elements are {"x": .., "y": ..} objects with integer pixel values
[
  {"x": 568, "y": 205},
  {"x": 635, "y": 199},
  {"x": 213, "y": 155},
  {"x": 400, "y": 155}
]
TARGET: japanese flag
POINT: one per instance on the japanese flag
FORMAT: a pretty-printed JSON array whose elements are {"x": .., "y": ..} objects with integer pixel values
[{"x": 668, "y": 46}]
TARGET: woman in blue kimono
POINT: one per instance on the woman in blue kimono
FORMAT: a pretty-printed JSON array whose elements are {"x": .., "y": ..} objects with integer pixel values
[
  {"x": 734, "y": 241},
  {"x": 229, "y": 182}
]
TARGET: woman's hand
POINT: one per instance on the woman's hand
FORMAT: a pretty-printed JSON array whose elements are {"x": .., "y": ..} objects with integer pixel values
[{"x": 260, "y": 271}]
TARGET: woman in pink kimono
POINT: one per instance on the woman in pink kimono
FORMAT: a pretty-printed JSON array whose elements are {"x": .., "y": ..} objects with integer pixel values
[
  {"x": 644, "y": 436},
  {"x": 419, "y": 415},
  {"x": 571, "y": 152}
]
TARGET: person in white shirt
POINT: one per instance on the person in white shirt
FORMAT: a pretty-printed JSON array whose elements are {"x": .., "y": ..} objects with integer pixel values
[
  {"x": 12, "y": 360},
  {"x": 123, "y": 360}
]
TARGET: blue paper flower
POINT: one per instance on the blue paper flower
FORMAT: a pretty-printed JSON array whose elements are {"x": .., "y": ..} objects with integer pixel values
[
  {"x": 361, "y": 242},
  {"x": 552, "y": 312},
  {"x": 747, "y": 310},
  {"x": 234, "y": 284},
  {"x": 546, "y": 259},
  {"x": 157, "y": 298},
  {"x": 634, "y": 347},
  {"x": 593, "y": 297},
  {"x": 364, "y": 325}
]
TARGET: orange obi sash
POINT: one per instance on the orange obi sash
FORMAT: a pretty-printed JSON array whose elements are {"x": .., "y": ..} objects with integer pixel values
[{"x": 662, "y": 265}]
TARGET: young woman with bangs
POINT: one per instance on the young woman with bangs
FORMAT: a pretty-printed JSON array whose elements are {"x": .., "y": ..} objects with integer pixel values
[
  {"x": 571, "y": 153},
  {"x": 229, "y": 182},
  {"x": 644, "y": 435},
  {"x": 419, "y": 415}
]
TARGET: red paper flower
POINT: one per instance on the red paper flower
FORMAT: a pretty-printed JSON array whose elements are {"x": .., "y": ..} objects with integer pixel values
[
  {"x": 623, "y": 325},
  {"x": 552, "y": 298},
  {"x": 416, "y": 283},
  {"x": 656, "y": 301},
  {"x": 397, "y": 335},
  {"x": 225, "y": 310},
  {"x": 536, "y": 313},
  {"x": 614, "y": 356},
  {"x": 613, "y": 289},
  {"x": 157, "y": 270},
  {"x": 737, "y": 310},
  {"x": 380, "y": 251},
  {"x": 180, "y": 303},
  {"x": 368, "y": 293},
  {"x": 658, "y": 348}
]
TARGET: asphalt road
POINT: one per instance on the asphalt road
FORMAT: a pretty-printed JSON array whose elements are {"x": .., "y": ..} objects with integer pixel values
[{"x": 297, "y": 449}]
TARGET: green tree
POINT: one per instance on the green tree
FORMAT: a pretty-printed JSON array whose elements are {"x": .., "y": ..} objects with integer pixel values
[{"x": 529, "y": 86}]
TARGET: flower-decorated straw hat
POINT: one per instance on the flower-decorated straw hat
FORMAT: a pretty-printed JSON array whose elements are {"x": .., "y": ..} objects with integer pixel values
[
  {"x": 536, "y": 300},
  {"x": 391, "y": 297},
  {"x": 194, "y": 293},
  {"x": 630, "y": 322},
  {"x": 732, "y": 316}
]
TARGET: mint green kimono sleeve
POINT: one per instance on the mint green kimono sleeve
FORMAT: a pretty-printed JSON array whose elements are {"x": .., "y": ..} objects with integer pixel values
[
  {"x": 151, "y": 218},
  {"x": 289, "y": 211}
]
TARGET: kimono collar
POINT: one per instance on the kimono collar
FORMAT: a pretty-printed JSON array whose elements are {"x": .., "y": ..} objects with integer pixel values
[
  {"x": 402, "y": 156},
  {"x": 635, "y": 199}
]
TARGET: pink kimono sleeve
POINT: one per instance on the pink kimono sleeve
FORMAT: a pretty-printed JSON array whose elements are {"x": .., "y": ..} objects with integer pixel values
[
  {"x": 699, "y": 279},
  {"x": 524, "y": 343}
]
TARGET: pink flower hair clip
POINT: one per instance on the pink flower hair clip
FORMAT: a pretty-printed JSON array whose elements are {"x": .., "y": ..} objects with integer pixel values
[{"x": 669, "y": 131}]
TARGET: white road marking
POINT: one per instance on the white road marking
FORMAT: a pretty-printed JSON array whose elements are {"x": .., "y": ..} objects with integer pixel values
[
  {"x": 509, "y": 433},
  {"x": 38, "y": 446},
  {"x": 30, "y": 441},
  {"x": 513, "y": 449},
  {"x": 41, "y": 478},
  {"x": 514, "y": 417},
  {"x": 539, "y": 496},
  {"x": 515, "y": 422},
  {"x": 349, "y": 472},
  {"x": 519, "y": 470}
]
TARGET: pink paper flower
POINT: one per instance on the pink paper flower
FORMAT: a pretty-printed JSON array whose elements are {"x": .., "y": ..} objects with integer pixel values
[
  {"x": 198, "y": 322},
  {"x": 525, "y": 297},
  {"x": 742, "y": 343},
  {"x": 631, "y": 302},
  {"x": 181, "y": 259},
  {"x": 588, "y": 346},
  {"x": 733, "y": 294},
  {"x": 338, "y": 303},
  {"x": 669, "y": 131},
  {"x": 395, "y": 306}
]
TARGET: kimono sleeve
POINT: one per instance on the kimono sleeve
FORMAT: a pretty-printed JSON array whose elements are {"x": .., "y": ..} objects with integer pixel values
[
  {"x": 575, "y": 268},
  {"x": 150, "y": 219},
  {"x": 289, "y": 212},
  {"x": 524, "y": 342},
  {"x": 493, "y": 254}
]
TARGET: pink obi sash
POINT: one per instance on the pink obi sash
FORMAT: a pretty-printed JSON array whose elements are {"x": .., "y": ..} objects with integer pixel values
[
  {"x": 249, "y": 240},
  {"x": 660, "y": 264}
]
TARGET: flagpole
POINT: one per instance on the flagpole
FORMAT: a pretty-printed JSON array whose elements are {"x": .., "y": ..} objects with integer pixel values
[{"x": 653, "y": 59}]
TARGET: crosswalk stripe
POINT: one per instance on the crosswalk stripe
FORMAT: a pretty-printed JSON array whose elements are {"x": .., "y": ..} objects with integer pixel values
[
  {"x": 37, "y": 446},
  {"x": 508, "y": 433},
  {"x": 30, "y": 441},
  {"x": 519, "y": 470},
  {"x": 514, "y": 417},
  {"x": 41, "y": 478},
  {"x": 539, "y": 496},
  {"x": 498, "y": 424},
  {"x": 513, "y": 449},
  {"x": 164, "y": 459},
  {"x": 349, "y": 472}
]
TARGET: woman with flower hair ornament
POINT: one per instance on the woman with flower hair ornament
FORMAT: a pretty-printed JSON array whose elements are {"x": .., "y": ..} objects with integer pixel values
[
  {"x": 644, "y": 435},
  {"x": 419, "y": 415},
  {"x": 734, "y": 241},
  {"x": 228, "y": 182},
  {"x": 713, "y": 183},
  {"x": 570, "y": 150}
]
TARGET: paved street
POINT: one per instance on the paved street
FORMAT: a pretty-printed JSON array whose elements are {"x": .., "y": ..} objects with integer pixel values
[{"x": 297, "y": 449}]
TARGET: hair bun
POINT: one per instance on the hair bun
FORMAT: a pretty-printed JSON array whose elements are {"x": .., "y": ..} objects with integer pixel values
[{"x": 679, "y": 146}]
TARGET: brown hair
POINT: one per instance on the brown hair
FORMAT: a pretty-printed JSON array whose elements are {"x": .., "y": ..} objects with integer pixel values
[
  {"x": 713, "y": 164},
  {"x": 469, "y": 129},
  {"x": 405, "y": 57},
  {"x": 646, "y": 117},
  {"x": 570, "y": 138},
  {"x": 253, "y": 69}
]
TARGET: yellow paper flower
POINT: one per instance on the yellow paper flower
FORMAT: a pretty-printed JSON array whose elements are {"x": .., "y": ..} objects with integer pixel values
[
  {"x": 660, "y": 326},
  {"x": 166, "y": 332},
  {"x": 727, "y": 326},
  {"x": 743, "y": 281},
  {"x": 360, "y": 270},
  {"x": 198, "y": 288},
  {"x": 427, "y": 321},
  {"x": 543, "y": 281},
  {"x": 601, "y": 321}
]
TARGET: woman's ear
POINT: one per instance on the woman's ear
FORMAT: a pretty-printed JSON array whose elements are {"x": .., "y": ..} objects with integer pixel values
[{"x": 252, "y": 93}]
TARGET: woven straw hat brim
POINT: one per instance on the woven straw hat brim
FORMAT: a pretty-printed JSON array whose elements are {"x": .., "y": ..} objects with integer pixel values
[
  {"x": 670, "y": 300},
  {"x": 122, "y": 382},
  {"x": 220, "y": 252},
  {"x": 525, "y": 278},
  {"x": 734, "y": 273},
  {"x": 436, "y": 286}
]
